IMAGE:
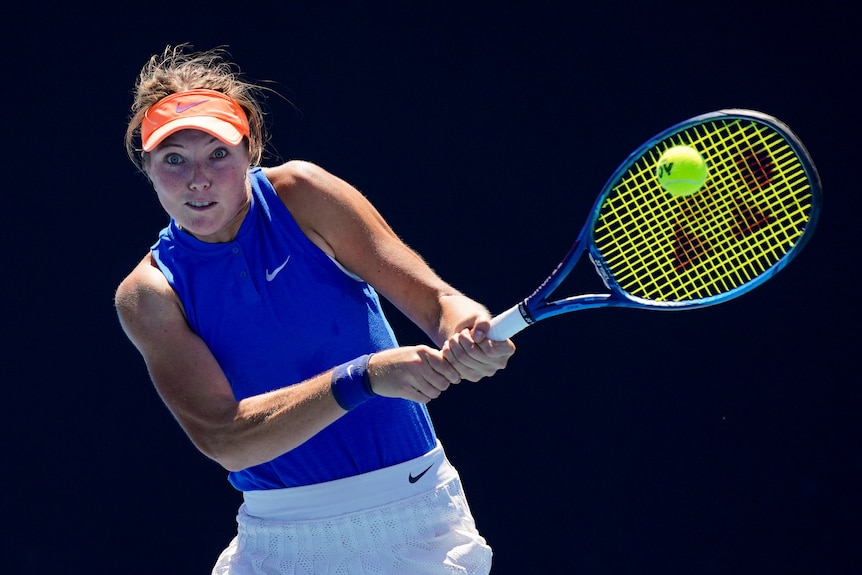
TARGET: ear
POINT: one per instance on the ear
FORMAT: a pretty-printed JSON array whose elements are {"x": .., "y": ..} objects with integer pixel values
[{"x": 145, "y": 161}]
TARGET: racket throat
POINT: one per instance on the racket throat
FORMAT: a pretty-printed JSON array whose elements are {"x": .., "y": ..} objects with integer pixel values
[{"x": 525, "y": 314}]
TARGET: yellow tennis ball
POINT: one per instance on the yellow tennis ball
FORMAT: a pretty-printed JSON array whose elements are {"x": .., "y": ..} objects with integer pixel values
[{"x": 681, "y": 170}]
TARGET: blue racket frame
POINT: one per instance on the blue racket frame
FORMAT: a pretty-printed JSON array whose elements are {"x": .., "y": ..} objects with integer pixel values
[{"x": 538, "y": 306}]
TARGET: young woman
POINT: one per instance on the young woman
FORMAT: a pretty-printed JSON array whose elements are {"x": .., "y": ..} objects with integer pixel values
[{"x": 257, "y": 314}]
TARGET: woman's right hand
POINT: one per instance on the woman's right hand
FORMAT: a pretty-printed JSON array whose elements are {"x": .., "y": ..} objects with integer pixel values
[{"x": 418, "y": 373}]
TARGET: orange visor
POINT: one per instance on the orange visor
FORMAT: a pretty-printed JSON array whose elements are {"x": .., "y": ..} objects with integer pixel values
[{"x": 206, "y": 110}]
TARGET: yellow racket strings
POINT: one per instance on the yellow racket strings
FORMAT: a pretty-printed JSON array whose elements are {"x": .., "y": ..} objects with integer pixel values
[{"x": 751, "y": 211}]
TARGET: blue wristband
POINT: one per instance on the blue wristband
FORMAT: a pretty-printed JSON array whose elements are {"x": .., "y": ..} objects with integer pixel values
[{"x": 350, "y": 384}]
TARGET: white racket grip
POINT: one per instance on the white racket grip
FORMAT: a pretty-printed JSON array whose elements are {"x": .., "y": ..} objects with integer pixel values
[{"x": 506, "y": 324}]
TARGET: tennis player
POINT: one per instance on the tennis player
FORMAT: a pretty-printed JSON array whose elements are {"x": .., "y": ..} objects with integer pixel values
[{"x": 257, "y": 314}]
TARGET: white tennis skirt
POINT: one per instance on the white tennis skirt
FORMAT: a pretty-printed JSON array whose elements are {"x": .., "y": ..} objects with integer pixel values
[{"x": 408, "y": 519}]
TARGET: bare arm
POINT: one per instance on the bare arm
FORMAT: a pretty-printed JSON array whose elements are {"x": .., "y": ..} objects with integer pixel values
[
  {"x": 193, "y": 386},
  {"x": 239, "y": 434},
  {"x": 342, "y": 222}
]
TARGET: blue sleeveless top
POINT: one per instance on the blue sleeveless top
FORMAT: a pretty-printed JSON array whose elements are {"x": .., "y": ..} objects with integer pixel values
[{"x": 275, "y": 310}]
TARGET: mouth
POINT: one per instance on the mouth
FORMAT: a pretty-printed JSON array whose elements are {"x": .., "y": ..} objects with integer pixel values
[{"x": 199, "y": 205}]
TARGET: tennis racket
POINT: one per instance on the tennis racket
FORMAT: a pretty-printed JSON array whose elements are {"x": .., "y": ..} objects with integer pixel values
[{"x": 756, "y": 210}]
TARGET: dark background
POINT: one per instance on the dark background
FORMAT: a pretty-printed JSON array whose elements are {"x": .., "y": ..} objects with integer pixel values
[{"x": 723, "y": 440}]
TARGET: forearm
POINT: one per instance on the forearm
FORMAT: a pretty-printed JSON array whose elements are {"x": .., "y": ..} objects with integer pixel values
[
  {"x": 262, "y": 427},
  {"x": 458, "y": 312}
]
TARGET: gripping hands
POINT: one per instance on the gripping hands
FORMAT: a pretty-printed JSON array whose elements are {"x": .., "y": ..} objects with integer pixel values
[{"x": 421, "y": 373}]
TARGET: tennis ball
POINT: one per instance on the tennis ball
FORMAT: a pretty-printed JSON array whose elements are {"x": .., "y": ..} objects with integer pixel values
[{"x": 681, "y": 170}]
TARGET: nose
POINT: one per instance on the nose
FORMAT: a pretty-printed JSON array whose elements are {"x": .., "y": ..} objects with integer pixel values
[{"x": 200, "y": 179}]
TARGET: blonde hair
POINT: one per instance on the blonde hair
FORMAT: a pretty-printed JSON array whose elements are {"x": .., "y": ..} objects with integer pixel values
[{"x": 178, "y": 69}]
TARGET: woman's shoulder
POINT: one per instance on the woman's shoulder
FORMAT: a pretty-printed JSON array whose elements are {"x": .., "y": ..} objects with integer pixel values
[
  {"x": 144, "y": 291},
  {"x": 294, "y": 174},
  {"x": 306, "y": 189},
  {"x": 309, "y": 194}
]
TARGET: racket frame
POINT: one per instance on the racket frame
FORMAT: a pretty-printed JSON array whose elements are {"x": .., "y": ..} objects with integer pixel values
[{"x": 538, "y": 306}]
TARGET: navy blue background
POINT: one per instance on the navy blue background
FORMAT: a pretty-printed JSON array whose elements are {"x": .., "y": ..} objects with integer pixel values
[{"x": 716, "y": 441}]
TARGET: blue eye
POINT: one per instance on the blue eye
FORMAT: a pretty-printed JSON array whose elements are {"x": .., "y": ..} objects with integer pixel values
[
  {"x": 173, "y": 159},
  {"x": 220, "y": 153}
]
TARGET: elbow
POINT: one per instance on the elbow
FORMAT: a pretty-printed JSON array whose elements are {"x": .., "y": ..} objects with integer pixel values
[
  {"x": 220, "y": 451},
  {"x": 221, "y": 446},
  {"x": 241, "y": 437},
  {"x": 235, "y": 446},
  {"x": 231, "y": 464}
]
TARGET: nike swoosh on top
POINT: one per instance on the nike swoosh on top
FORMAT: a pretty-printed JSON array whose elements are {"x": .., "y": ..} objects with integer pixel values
[
  {"x": 413, "y": 479},
  {"x": 183, "y": 107},
  {"x": 271, "y": 275}
]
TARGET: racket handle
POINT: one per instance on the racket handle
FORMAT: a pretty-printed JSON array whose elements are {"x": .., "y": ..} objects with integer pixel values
[{"x": 507, "y": 324}]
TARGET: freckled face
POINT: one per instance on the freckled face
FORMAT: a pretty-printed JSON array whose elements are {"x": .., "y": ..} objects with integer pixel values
[{"x": 201, "y": 183}]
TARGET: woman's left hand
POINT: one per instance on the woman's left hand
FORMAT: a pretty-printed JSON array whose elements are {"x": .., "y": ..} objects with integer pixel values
[{"x": 475, "y": 356}]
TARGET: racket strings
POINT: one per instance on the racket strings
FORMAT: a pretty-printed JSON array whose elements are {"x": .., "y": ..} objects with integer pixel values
[{"x": 750, "y": 213}]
